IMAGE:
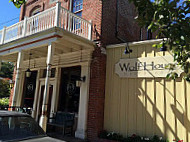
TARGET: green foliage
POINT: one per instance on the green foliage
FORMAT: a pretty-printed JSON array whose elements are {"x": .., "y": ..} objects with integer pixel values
[
  {"x": 4, "y": 88},
  {"x": 4, "y": 101},
  {"x": 18, "y": 3},
  {"x": 170, "y": 19},
  {"x": 6, "y": 70},
  {"x": 134, "y": 138}
]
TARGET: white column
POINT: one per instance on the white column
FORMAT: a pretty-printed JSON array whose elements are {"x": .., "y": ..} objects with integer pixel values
[
  {"x": 36, "y": 96},
  {"x": 43, "y": 118},
  {"x": 3, "y": 35},
  {"x": 83, "y": 104},
  {"x": 25, "y": 27},
  {"x": 55, "y": 91},
  {"x": 57, "y": 13},
  {"x": 20, "y": 90},
  {"x": 90, "y": 30},
  {"x": 17, "y": 79}
]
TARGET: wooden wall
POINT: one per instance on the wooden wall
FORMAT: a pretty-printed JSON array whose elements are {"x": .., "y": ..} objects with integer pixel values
[{"x": 145, "y": 106}]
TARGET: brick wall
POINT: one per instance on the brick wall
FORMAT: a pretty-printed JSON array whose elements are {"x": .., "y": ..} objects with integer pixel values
[
  {"x": 103, "y": 16},
  {"x": 43, "y": 4},
  {"x": 96, "y": 95}
]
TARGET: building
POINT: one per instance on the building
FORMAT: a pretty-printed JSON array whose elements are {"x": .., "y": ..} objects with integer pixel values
[
  {"x": 62, "y": 43},
  {"x": 139, "y": 99},
  {"x": 77, "y": 65}
]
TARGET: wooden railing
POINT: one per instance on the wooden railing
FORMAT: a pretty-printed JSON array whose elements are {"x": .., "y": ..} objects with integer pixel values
[{"x": 54, "y": 17}]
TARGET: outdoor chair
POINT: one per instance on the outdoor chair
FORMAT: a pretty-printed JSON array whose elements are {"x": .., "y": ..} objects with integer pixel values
[{"x": 63, "y": 120}]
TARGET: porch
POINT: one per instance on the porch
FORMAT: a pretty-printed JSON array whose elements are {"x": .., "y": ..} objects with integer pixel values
[
  {"x": 54, "y": 17},
  {"x": 53, "y": 45}
]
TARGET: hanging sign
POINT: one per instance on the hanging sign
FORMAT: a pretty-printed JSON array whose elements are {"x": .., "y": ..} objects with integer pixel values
[{"x": 145, "y": 67}]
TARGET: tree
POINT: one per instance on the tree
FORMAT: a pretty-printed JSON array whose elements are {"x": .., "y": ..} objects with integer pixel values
[
  {"x": 18, "y": 3},
  {"x": 7, "y": 69},
  {"x": 170, "y": 19},
  {"x": 5, "y": 72},
  {"x": 4, "y": 88}
]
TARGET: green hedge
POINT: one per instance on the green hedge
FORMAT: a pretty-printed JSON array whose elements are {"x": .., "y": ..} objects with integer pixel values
[{"x": 4, "y": 101}]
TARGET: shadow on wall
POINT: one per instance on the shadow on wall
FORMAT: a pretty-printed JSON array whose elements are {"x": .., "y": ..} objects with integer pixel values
[
  {"x": 145, "y": 106},
  {"x": 178, "y": 124}
]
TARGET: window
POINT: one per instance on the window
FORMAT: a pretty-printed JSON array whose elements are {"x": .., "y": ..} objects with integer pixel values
[
  {"x": 35, "y": 23},
  {"x": 77, "y": 9},
  {"x": 77, "y": 6},
  {"x": 35, "y": 11}
]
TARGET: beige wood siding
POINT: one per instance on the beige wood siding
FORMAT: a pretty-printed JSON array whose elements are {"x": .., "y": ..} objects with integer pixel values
[{"x": 145, "y": 106}]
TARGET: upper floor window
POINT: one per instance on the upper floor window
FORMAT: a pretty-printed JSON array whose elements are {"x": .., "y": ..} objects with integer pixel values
[
  {"x": 77, "y": 7},
  {"x": 35, "y": 11},
  {"x": 77, "y": 10}
]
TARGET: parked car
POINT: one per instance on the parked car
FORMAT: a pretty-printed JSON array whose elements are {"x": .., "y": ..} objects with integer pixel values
[{"x": 16, "y": 126}]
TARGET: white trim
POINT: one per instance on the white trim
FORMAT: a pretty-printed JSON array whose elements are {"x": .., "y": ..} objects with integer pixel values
[
  {"x": 49, "y": 61},
  {"x": 18, "y": 74},
  {"x": 83, "y": 104},
  {"x": 20, "y": 91},
  {"x": 42, "y": 83},
  {"x": 36, "y": 94},
  {"x": 134, "y": 43}
]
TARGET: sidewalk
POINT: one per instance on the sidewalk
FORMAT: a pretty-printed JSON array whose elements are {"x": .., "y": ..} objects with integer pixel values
[{"x": 67, "y": 138}]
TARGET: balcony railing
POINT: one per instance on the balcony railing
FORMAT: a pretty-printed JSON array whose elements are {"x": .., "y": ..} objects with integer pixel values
[{"x": 54, "y": 17}]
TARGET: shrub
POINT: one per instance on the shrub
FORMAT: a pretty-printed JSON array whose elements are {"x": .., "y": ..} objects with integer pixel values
[
  {"x": 134, "y": 138},
  {"x": 4, "y": 101}
]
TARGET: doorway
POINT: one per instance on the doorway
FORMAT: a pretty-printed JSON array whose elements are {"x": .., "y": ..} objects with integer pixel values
[
  {"x": 40, "y": 100},
  {"x": 69, "y": 92}
]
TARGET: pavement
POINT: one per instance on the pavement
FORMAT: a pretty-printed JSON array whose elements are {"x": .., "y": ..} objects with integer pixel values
[{"x": 67, "y": 138}]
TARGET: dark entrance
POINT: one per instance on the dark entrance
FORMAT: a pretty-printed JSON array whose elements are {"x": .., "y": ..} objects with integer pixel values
[
  {"x": 69, "y": 92},
  {"x": 29, "y": 90}
]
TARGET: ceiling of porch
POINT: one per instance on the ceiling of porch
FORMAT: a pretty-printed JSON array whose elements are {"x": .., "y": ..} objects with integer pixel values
[{"x": 67, "y": 43}]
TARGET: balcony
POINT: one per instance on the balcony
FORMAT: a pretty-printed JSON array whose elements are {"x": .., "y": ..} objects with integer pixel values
[{"x": 54, "y": 17}]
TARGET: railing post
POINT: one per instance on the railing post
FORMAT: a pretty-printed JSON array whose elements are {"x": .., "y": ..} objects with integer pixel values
[
  {"x": 69, "y": 21},
  {"x": 57, "y": 14},
  {"x": 90, "y": 30},
  {"x": 3, "y": 35},
  {"x": 25, "y": 26}
]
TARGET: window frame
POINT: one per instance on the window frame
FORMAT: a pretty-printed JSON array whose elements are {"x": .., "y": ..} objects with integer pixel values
[{"x": 78, "y": 13}]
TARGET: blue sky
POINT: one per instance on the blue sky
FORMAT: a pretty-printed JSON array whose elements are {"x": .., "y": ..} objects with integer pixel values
[{"x": 8, "y": 12}]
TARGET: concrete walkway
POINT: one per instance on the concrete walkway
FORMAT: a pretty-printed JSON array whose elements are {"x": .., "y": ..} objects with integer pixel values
[{"x": 67, "y": 138}]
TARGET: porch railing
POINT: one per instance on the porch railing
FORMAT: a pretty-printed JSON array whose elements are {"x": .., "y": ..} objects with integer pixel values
[{"x": 54, "y": 17}]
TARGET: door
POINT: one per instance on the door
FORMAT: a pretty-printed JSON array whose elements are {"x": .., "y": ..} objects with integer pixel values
[
  {"x": 41, "y": 101},
  {"x": 69, "y": 92}
]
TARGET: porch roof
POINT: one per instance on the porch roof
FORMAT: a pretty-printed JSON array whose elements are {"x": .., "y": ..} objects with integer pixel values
[
  {"x": 70, "y": 33},
  {"x": 36, "y": 44}
]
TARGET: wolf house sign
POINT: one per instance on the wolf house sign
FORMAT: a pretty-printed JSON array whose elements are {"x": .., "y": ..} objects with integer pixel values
[{"x": 148, "y": 67}]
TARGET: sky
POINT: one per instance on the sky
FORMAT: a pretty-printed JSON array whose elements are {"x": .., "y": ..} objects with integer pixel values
[{"x": 8, "y": 12}]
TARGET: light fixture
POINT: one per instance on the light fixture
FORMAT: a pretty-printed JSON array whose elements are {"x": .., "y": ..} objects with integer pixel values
[
  {"x": 80, "y": 80},
  {"x": 83, "y": 79},
  {"x": 28, "y": 71},
  {"x": 163, "y": 48},
  {"x": 11, "y": 83},
  {"x": 127, "y": 50}
]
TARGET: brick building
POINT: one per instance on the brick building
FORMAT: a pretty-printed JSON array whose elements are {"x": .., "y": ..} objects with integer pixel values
[{"x": 62, "y": 43}]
